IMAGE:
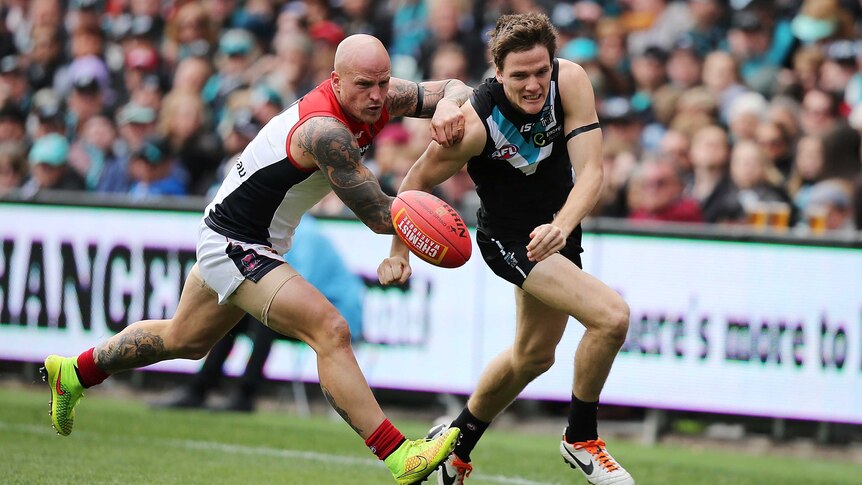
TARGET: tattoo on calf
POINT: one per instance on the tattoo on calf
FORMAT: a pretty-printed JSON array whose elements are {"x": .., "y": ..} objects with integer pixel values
[
  {"x": 129, "y": 349},
  {"x": 341, "y": 412},
  {"x": 337, "y": 154}
]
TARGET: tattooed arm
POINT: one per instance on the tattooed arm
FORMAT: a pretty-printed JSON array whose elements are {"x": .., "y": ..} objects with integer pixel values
[
  {"x": 334, "y": 149},
  {"x": 440, "y": 99}
]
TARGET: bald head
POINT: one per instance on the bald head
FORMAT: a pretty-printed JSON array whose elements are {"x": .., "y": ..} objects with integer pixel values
[{"x": 361, "y": 50}]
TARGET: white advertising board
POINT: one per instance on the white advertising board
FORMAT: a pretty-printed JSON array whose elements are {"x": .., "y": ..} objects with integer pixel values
[{"x": 744, "y": 328}]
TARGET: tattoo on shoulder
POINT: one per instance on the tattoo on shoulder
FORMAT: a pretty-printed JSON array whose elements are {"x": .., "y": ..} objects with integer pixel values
[
  {"x": 337, "y": 154},
  {"x": 341, "y": 412},
  {"x": 130, "y": 349}
]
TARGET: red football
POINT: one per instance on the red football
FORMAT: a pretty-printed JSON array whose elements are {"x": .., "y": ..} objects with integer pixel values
[{"x": 431, "y": 228}]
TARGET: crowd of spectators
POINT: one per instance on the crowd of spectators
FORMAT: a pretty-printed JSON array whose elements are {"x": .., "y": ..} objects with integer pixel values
[{"x": 730, "y": 112}]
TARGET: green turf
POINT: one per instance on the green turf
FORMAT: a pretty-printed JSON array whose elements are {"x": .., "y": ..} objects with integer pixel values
[{"x": 124, "y": 442}]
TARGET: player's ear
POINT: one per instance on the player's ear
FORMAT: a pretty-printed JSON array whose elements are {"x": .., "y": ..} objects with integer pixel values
[
  {"x": 498, "y": 75},
  {"x": 336, "y": 82}
]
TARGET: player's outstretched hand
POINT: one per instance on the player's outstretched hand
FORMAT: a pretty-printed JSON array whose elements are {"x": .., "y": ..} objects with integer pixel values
[
  {"x": 392, "y": 270},
  {"x": 447, "y": 124},
  {"x": 545, "y": 240}
]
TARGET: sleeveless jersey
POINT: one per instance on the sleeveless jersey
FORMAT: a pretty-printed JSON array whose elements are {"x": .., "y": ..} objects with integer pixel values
[
  {"x": 266, "y": 192},
  {"x": 523, "y": 175}
]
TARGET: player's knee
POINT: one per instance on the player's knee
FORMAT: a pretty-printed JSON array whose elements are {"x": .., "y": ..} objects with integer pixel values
[
  {"x": 618, "y": 322},
  {"x": 334, "y": 333},
  {"x": 183, "y": 347}
]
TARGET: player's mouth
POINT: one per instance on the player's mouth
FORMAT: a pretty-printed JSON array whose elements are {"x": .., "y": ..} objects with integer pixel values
[{"x": 532, "y": 98}]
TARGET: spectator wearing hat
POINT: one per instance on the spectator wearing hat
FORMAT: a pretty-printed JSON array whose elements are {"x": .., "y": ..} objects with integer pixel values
[
  {"x": 237, "y": 52},
  {"x": 153, "y": 171},
  {"x": 13, "y": 83},
  {"x": 89, "y": 91},
  {"x": 325, "y": 36},
  {"x": 49, "y": 167},
  {"x": 13, "y": 167},
  {"x": 750, "y": 43},
  {"x": 831, "y": 200},
  {"x": 183, "y": 124},
  {"x": 684, "y": 64},
  {"x": 585, "y": 52},
  {"x": 140, "y": 62},
  {"x": 265, "y": 103},
  {"x": 135, "y": 123}
]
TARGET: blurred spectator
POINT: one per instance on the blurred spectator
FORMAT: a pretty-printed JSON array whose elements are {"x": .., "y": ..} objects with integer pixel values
[
  {"x": 189, "y": 33},
  {"x": 265, "y": 103},
  {"x": 675, "y": 147},
  {"x": 88, "y": 80},
  {"x": 135, "y": 123},
  {"x": 446, "y": 25},
  {"x": 13, "y": 83},
  {"x": 721, "y": 78},
  {"x": 611, "y": 40},
  {"x": 744, "y": 115},
  {"x": 684, "y": 64},
  {"x": 153, "y": 171},
  {"x": 807, "y": 170},
  {"x": 391, "y": 160},
  {"x": 140, "y": 62},
  {"x": 236, "y": 53},
  {"x": 754, "y": 184},
  {"x": 710, "y": 151},
  {"x": 450, "y": 61},
  {"x": 841, "y": 142},
  {"x": 784, "y": 111},
  {"x": 648, "y": 71},
  {"x": 192, "y": 74},
  {"x": 367, "y": 17},
  {"x": 45, "y": 57},
  {"x": 288, "y": 71},
  {"x": 750, "y": 40},
  {"x": 776, "y": 143},
  {"x": 46, "y": 115},
  {"x": 182, "y": 122},
  {"x": 822, "y": 20},
  {"x": 806, "y": 68},
  {"x": 656, "y": 23},
  {"x": 661, "y": 195},
  {"x": 620, "y": 122},
  {"x": 706, "y": 34},
  {"x": 12, "y": 124},
  {"x": 838, "y": 70},
  {"x": 13, "y": 167},
  {"x": 326, "y": 36},
  {"x": 830, "y": 201},
  {"x": 49, "y": 167},
  {"x": 93, "y": 154}
]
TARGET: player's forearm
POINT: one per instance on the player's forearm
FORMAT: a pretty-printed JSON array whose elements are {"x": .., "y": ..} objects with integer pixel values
[
  {"x": 433, "y": 92},
  {"x": 582, "y": 198}
]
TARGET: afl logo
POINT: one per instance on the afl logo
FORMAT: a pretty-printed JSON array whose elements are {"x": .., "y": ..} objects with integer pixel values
[{"x": 505, "y": 152}]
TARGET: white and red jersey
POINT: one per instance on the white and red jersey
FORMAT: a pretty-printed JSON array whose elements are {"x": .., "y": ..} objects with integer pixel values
[{"x": 266, "y": 193}]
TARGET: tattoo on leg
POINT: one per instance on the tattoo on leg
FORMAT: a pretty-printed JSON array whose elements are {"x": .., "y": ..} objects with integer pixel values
[
  {"x": 131, "y": 349},
  {"x": 341, "y": 412}
]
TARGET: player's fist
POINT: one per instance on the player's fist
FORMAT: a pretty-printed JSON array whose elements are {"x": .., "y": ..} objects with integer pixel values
[{"x": 394, "y": 270}]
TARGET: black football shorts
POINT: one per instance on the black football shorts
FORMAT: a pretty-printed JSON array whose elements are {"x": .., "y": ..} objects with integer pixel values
[{"x": 507, "y": 257}]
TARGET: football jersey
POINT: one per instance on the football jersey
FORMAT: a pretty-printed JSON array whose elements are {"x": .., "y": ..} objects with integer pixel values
[
  {"x": 523, "y": 175},
  {"x": 266, "y": 192}
]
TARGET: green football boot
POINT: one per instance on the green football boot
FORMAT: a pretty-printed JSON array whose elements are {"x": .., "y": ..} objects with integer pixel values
[
  {"x": 414, "y": 460},
  {"x": 66, "y": 391}
]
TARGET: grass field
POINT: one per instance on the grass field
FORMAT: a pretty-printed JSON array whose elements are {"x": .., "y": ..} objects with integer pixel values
[{"x": 122, "y": 441}]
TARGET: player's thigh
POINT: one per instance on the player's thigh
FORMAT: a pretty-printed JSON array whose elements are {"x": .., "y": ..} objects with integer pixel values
[
  {"x": 199, "y": 319},
  {"x": 560, "y": 284},
  {"x": 287, "y": 303},
  {"x": 539, "y": 327}
]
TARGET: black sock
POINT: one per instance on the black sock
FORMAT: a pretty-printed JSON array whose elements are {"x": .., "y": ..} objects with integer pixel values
[
  {"x": 583, "y": 421},
  {"x": 472, "y": 429}
]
